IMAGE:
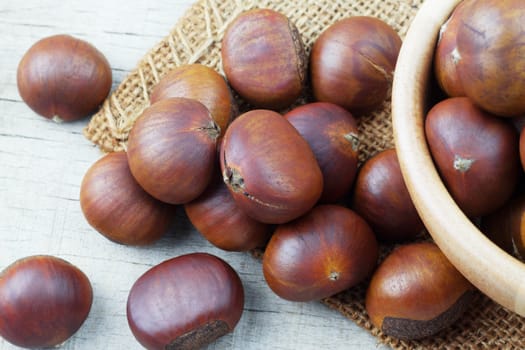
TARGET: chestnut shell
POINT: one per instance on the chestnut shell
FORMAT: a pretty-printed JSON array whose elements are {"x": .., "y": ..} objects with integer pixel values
[
  {"x": 416, "y": 292},
  {"x": 201, "y": 83},
  {"x": 185, "y": 302},
  {"x": 476, "y": 154},
  {"x": 172, "y": 149},
  {"x": 381, "y": 197},
  {"x": 216, "y": 216},
  {"x": 63, "y": 78},
  {"x": 324, "y": 252},
  {"x": 264, "y": 59},
  {"x": 44, "y": 301},
  {"x": 269, "y": 168},
  {"x": 352, "y": 63},
  {"x": 332, "y": 134},
  {"x": 117, "y": 207}
]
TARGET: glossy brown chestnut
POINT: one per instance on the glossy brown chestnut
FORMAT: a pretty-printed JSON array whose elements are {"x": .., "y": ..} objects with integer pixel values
[
  {"x": 117, "y": 207},
  {"x": 216, "y": 216},
  {"x": 44, "y": 301},
  {"x": 201, "y": 83},
  {"x": 324, "y": 252},
  {"x": 352, "y": 63},
  {"x": 416, "y": 292},
  {"x": 185, "y": 303},
  {"x": 446, "y": 57},
  {"x": 381, "y": 197},
  {"x": 269, "y": 168},
  {"x": 172, "y": 149},
  {"x": 506, "y": 226},
  {"x": 476, "y": 154},
  {"x": 331, "y": 131},
  {"x": 63, "y": 78},
  {"x": 263, "y": 58},
  {"x": 490, "y": 44}
]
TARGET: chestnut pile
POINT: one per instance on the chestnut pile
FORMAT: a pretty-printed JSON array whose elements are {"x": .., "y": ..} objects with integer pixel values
[
  {"x": 280, "y": 177},
  {"x": 475, "y": 134}
]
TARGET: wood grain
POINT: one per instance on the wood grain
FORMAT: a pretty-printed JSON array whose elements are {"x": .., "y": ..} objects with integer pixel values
[{"x": 42, "y": 164}]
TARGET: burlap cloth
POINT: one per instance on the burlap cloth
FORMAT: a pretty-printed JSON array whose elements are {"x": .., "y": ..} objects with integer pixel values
[{"x": 196, "y": 38}]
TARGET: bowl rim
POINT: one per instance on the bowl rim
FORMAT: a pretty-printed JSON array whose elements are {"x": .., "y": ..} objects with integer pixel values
[{"x": 493, "y": 271}]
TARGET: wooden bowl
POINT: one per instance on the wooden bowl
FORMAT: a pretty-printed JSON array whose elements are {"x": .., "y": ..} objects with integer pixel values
[{"x": 496, "y": 273}]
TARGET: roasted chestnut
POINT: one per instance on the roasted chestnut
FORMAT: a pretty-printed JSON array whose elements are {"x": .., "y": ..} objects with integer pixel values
[
  {"x": 416, "y": 292},
  {"x": 331, "y": 131},
  {"x": 44, "y": 300},
  {"x": 172, "y": 149},
  {"x": 476, "y": 154},
  {"x": 185, "y": 303},
  {"x": 490, "y": 43},
  {"x": 63, "y": 78},
  {"x": 216, "y": 216},
  {"x": 201, "y": 83},
  {"x": 352, "y": 63},
  {"x": 381, "y": 197},
  {"x": 117, "y": 207},
  {"x": 269, "y": 168},
  {"x": 446, "y": 57},
  {"x": 264, "y": 59},
  {"x": 324, "y": 252}
]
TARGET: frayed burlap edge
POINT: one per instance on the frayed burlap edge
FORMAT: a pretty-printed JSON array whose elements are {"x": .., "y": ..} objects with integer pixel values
[{"x": 196, "y": 39}]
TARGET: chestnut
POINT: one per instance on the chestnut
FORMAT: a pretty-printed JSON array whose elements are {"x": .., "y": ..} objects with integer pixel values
[
  {"x": 522, "y": 147},
  {"x": 352, "y": 63},
  {"x": 44, "y": 301},
  {"x": 322, "y": 253},
  {"x": 416, "y": 292},
  {"x": 490, "y": 43},
  {"x": 269, "y": 168},
  {"x": 172, "y": 149},
  {"x": 506, "y": 226},
  {"x": 381, "y": 197},
  {"x": 216, "y": 216},
  {"x": 185, "y": 302},
  {"x": 476, "y": 154},
  {"x": 117, "y": 207},
  {"x": 201, "y": 83},
  {"x": 63, "y": 78},
  {"x": 447, "y": 57},
  {"x": 264, "y": 59},
  {"x": 331, "y": 132}
]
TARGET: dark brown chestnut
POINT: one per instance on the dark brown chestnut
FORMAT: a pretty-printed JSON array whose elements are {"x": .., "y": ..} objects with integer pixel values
[
  {"x": 522, "y": 147},
  {"x": 446, "y": 57},
  {"x": 269, "y": 168},
  {"x": 216, "y": 216},
  {"x": 506, "y": 226},
  {"x": 381, "y": 197},
  {"x": 490, "y": 44},
  {"x": 416, "y": 292},
  {"x": 352, "y": 63},
  {"x": 201, "y": 83},
  {"x": 324, "y": 252},
  {"x": 331, "y": 131},
  {"x": 185, "y": 303},
  {"x": 476, "y": 154},
  {"x": 264, "y": 59},
  {"x": 172, "y": 149},
  {"x": 44, "y": 301},
  {"x": 63, "y": 78},
  {"x": 117, "y": 207}
]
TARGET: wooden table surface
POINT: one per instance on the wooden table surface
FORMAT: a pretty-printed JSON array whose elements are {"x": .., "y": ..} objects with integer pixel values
[{"x": 42, "y": 164}]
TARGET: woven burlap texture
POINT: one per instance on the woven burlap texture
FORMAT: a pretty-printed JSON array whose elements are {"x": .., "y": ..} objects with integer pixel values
[{"x": 196, "y": 38}]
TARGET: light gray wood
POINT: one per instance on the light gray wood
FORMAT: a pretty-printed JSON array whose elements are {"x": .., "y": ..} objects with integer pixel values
[{"x": 42, "y": 164}]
